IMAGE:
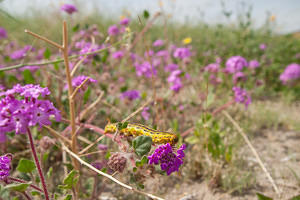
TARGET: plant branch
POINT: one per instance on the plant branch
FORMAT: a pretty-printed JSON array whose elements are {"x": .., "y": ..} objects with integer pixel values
[
  {"x": 37, "y": 163},
  {"x": 43, "y": 38},
  {"x": 240, "y": 130},
  {"x": 109, "y": 176},
  {"x": 22, "y": 181}
]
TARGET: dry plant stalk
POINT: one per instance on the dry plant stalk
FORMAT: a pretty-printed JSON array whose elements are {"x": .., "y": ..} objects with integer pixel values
[
  {"x": 109, "y": 176},
  {"x": 240, "y": 130}
]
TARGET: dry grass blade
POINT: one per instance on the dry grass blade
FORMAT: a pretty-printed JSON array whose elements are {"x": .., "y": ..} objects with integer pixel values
[
  {"x": 240, "y": 130},
  {"x": 137, "y": 111},
  {"x": 90, "y": 145}
]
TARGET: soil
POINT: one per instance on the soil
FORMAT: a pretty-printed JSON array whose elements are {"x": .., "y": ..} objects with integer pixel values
[{"x": 279, "y": 152}]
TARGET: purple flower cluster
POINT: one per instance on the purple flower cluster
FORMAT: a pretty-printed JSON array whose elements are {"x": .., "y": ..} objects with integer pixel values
[
  {"x": 20, "y": 108},
  {"x": 113, "y": 30},
  {"x": 182, "y": 52},
  {"x": 212, "y": 68},
  {"x": 291, "y": 72},
  {"x": 253, "y": 64},
  {"x": 78, "y": 80},
  {"x": 235, "y": 64},
  {"x": 118, "y": 55},
  {"x": 5, "y": 166},
  {"x": 131, "y": 95},
  {"x": 168, "y": 160},
  {"x": 68, "y": 8},
  {"x": 158, "y": 43},
  {"x": 125, "y": 21},
  {"x": 145, "y": 69},
  {"x": 3, "y": 33},
  {"x": 145, "y": 113},
  {"x": 241, "y": 96},
  {"x": 175, "y": 80}
]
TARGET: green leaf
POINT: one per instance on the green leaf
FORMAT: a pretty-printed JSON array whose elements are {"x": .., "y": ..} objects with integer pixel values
[
  {"x": 295, "y": 197},
  {"x": 87, "y": 95},
  {"x": 146, "y": 14},
  {"x": 47, "y": 54},
  {"x": 70, "y": 181},
  {"x": 35, "y": 193},
  {"x": 26, "y": 166},
  {"x": 192, "y": 139},
  {"x": 76, "y": 28},
  {"x": 68, "y": 197},
  {"x": 134, "y": 169},
  {"x": 125, "y": 124},
  {"x": 142, "y": 145},
  {"x": 262, "y": 197},
  {"x": 49, "y": 173},
  {"x": 28, "y": 78},
  {"x": 19, "y": 187}
]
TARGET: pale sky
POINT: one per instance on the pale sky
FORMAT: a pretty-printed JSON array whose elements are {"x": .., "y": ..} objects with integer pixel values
[{"x": 287, "y": 12}]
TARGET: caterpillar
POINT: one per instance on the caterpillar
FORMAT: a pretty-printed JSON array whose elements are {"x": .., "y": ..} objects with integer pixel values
[{"x": 133, "y": 129}]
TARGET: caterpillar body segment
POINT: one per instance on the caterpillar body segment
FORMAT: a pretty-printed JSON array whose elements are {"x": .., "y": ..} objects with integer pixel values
[{"x": 133, "y": 129}]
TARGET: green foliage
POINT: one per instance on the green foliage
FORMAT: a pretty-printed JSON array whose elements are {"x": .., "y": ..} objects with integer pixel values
[
  {"x": 28, "y": 78},
  {"x": 26, "y": 166},
  {"x": 262, "y": 197},
  {"x": 70, "y": 181},
  {"x": 18, "y": 187},
  {"x": 142, "y": 145}
]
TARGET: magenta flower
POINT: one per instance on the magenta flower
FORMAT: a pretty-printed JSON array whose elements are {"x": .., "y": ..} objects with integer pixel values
[
  {"x": 145, "y": 113},
  {"x": 3, "y": 33},
  {"x": 113, "y": 30},
  {"x": 168, "y": 160},
  {"x": 68, "y": 8},
  {"x": 214, "y": 79},
  {"x": 20, "y": 108},
  {"x": 118, "y": 55},
  {"x": 253, "y": 64},
  {"x": 158, "y": 43},
  {"x": 263, "y": 46},
  {"x": 78, "y": 80},
  {"x": 182, "y": 53},
  {"x": 5, "y": 166},
  {"x": 171, "y": 67},
  {"x": 291, "y": 72},
  {"x": 125, "y": 21},
  {"x": 241, "y": 96},
  {"x": 235, "y": 64},
  {"x": 18, "y": 54},
  {"x": 145, "y": 69},
  {"x": 212, "y": 68},
  {"x": 131, "y": 95},
  {"x": 175, "y": 80},
  {"x": 239, "y": 76}
]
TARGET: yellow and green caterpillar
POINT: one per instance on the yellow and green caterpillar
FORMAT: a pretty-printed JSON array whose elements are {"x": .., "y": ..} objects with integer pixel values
[{"x": 133, "y": 129}]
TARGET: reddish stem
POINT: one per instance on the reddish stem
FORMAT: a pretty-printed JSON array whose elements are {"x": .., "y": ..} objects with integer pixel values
[
  {"x": 37, "y": 163},
  {"x": 223, "y": 107},
  {"x": 22, "y": 181}
]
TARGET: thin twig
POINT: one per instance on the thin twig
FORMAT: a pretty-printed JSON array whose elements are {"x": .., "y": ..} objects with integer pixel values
[
  {"x": 109, "y": 176},
  {"x": 57, "y": 135},
  {"x": 90, "y": 107},
  {"x": 22, "y": 181},
  {"x": 78, "y": 88},
  {"x": 137, "y": 111},
  {"x": 240, "y": 130},
  {"x": 61, "y": 59},
  {"x": 82, "y": 59},
  {"x": 91, "y": 153},
  {"x": 43, "y": 38},
  {"x": 89, "y": 146}
]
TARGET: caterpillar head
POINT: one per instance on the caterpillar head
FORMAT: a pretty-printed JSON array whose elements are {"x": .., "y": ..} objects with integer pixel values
[{"x": 110, "y": 128}]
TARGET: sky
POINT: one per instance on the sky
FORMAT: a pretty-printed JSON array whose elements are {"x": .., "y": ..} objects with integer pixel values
[{"x": 286, "y": 12}]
